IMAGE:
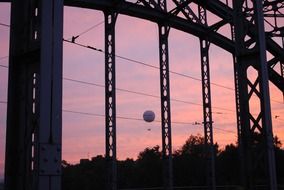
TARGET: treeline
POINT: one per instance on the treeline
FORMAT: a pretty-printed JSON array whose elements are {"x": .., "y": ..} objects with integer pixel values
[{"x": 189, "y": 168}]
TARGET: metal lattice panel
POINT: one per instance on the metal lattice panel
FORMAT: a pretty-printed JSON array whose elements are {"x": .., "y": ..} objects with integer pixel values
[
  {"x": 165, "y": 100},
  {"x": 253, "y": 58},
  {"x": 110, "y": 99},
  {"x": 207, "y": 109}
]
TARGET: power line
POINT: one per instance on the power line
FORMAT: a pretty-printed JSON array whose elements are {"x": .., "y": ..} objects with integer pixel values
[
  {"x": 145, "y": 64},
  {"x": 144, "y": 94},
  {"x": 135, "y": 61},
  {"x": 155, "y": 67},
  {"x": 131, "y": 118},
  {"x": 73, "y": 38},
  {"x": 138, "y": 119},
  {"x": 132, "y": 60},
  {"x": 5, "y": 25},
  {"x": 3, "y": 102},
  {"x": 91, "y": 28},
  {"x": 4, "y": 57},
  {"x": 4, "y": 66},
  {"x": 138, "y": 93},
  {"x": 86, "y": 31},
  {"x": 139, "y": 62}
]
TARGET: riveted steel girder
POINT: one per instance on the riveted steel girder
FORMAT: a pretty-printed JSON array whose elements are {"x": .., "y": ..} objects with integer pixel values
[
  {"x": 34, "y": 124},
  {"x": 207, "y": 104},
  {"x": 110, "y": 99},
  {"x": 164, "y": 30},
  {"x": 256, "y": 127}
]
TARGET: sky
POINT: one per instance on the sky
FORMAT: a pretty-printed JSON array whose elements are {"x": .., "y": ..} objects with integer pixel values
[{"x": 83, "y": 134}]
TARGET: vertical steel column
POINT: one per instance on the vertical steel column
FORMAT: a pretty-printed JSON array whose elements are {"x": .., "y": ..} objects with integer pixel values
[
  {"x": 242, "y": 89},
  {"x": 207, "y": 109},
  {"x": 50, "y": 95},
  {"x": 110, "y": 99},
  {"x": 21, "y": 126},
  {"x": 34, "y": 124},
  {"x": 249, "y": 56},
  {"x": 165, "y": 101},
  {"x": 238, "y": 112},
  {"x": 265, "y": 97}
]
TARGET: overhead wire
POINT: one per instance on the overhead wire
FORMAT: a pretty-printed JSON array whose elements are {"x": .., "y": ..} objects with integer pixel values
[
  {"x": 4, "y": 57},
  {"x": 132, "y": 60},
  {"x": 4, "y": 66},
  {"x": 144, "y": 94},
  {"x": 3, "y": 102},
  {"x": 5, "y": 25},
  {"x": 138, "y": 119},
  {"x": 73, "y": 38},
  {"x": 134, "y": 118},
  {"x": 138, "y": 93},
  {"x": 124, "y": 90},
  {"x": 145, "y": 64},
  {"x": 87, "y": 30},
  {"x": 155, "y": 67},
  {"x": 134, "y": 92}
]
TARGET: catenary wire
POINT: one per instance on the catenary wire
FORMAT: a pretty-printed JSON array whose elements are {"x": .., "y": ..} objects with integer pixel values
[
  {"x": 145, "y": 64},
  {"x": 5, "y": 25},
  {"x": 4, "y": 57},
  {"x": 88, "y": 29},
  {"x": 135, "y": 61},
  {"x": 155, "y": 67},
  {"x": 138, "y": 119},
  {"x": 139, "y": 93},
  {"x": 97, "y": 24},
  {"x": 4, "y": 66},
  {"x": 144, "y": 94},
  {"x": 132, "y": 118},
  {"x": 128, "y": 59}
]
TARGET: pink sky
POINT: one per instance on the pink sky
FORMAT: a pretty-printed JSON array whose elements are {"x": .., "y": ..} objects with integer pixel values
[{"x": 83, "y": 136}]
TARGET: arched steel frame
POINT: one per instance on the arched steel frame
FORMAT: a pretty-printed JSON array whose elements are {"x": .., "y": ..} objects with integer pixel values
[{"x": 33, "y": 144}]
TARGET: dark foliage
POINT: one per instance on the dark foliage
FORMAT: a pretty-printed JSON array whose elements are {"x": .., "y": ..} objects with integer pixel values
[{"x": 189, "y": 166}]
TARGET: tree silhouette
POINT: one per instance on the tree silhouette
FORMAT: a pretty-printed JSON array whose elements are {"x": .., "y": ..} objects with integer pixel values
[
  {"x": 146, "y": 171},
  {"x": 149, "y": 167}
]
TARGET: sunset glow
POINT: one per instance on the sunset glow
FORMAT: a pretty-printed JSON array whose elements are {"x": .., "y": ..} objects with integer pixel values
[{"x": 137, "y": 87}]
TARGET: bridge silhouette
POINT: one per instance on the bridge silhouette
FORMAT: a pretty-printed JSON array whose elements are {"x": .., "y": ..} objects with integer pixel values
[{"x": 34, "y": 114}]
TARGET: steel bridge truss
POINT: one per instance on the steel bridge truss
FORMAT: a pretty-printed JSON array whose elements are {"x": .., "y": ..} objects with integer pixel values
[{"x": 34, "y": 114}]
